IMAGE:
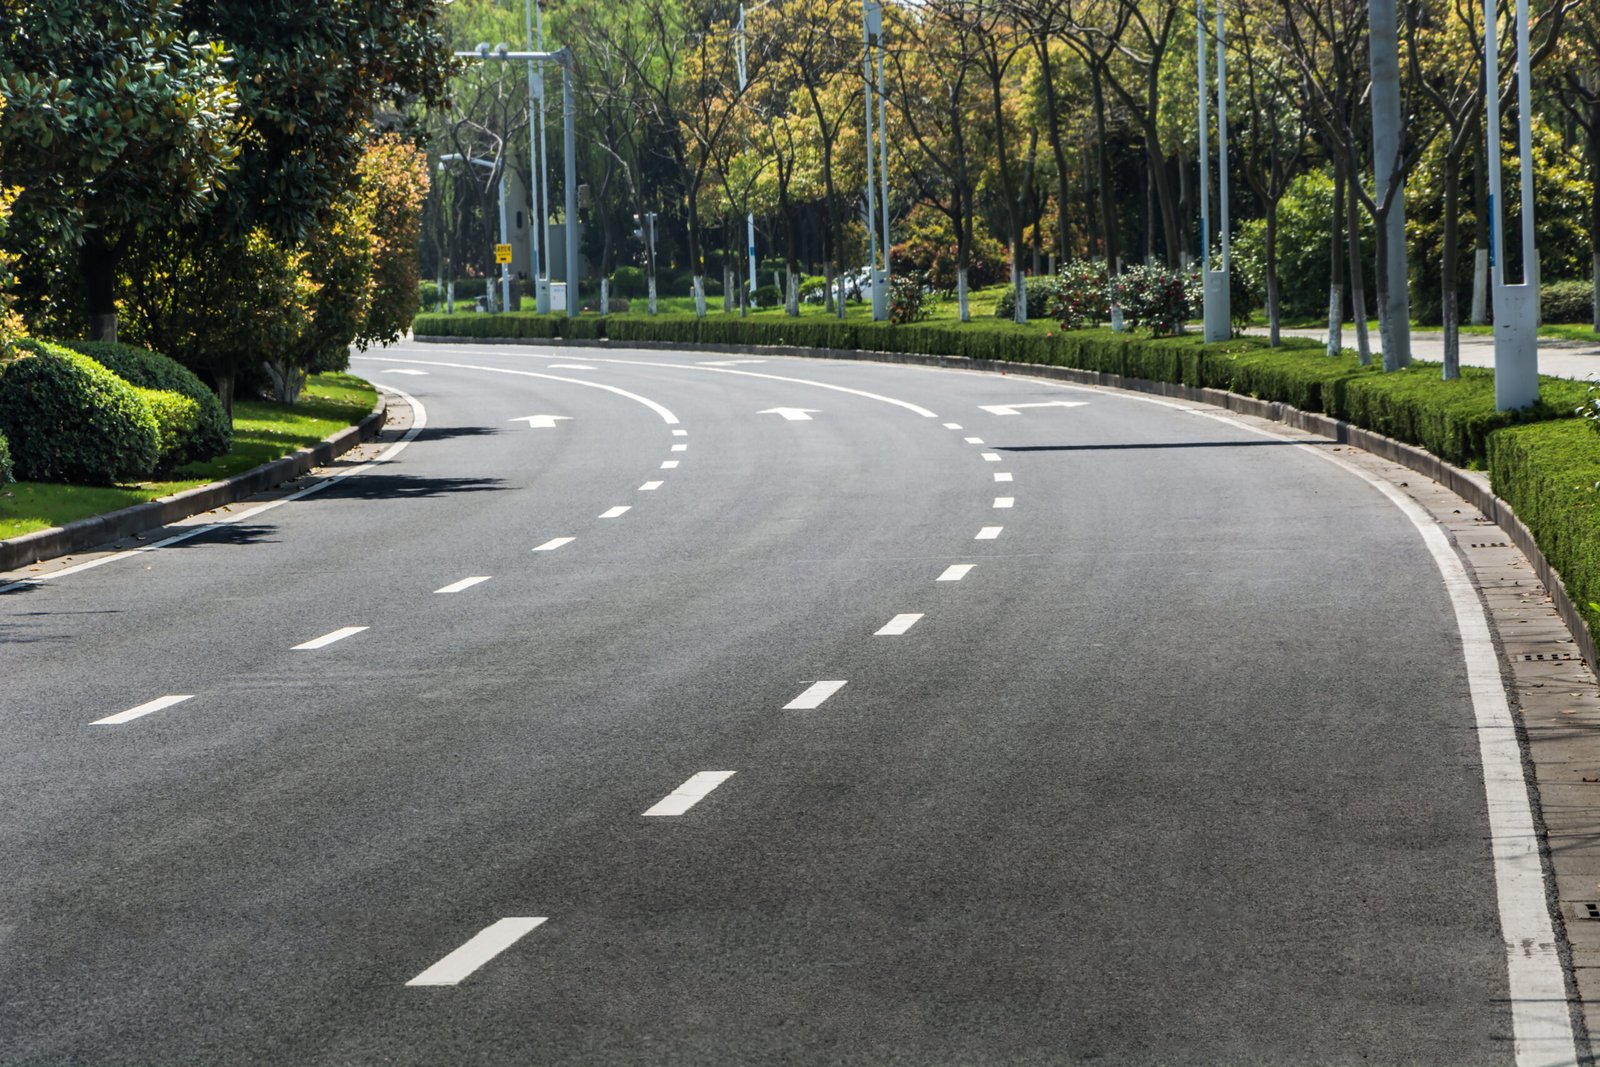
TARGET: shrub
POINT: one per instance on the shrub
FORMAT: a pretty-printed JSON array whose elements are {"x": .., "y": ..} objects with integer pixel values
[
  {"x": 1041, "y": 290},
  {"x": 630, "y": 282},
  {"x": 1080, "y": 297},
  {"x": 69, "y": 419},
  {"x": 1567, "y": 302},
  {"x": 907, "y": 298},
  {"x": 5, "y": 460},
  {"x": 211, "y": 435},
  {"x": 1153, "y": 297},
  {"x": 177, "y": 417},
  {"x": 767, "y": 296}
]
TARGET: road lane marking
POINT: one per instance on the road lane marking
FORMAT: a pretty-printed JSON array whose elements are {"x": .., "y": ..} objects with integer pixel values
[
  {"x": 680, "y": 433},
  {"x": 990, "y": 457},
  {"x": 973, "y": 440},
  {"x": 669, "y": 465},
  {"x": 541, "y": 422},
  {"x": 955, "y": 572},
  {"x": 666, "y": 416},
  {"x": 482, "y": 947},
  {"x": 792, "y": 414},
  {"x": 898, "y": 625},
  {"x": 570, "y": 366},
  {"x": 1004, "y": 501},
  {"x": 465, "y": 583},
  {"x": 402, "y": 370},
  {"x": 726, "y": 362},
  {"x": 650, "y": 487},
  {"x": 419, "y": 421},
  {"x": 611, "y": 513},
  {"x": 814, "y": 695},
  {"x": 680, "y": 448},
  {"x": 1002, "y": 476},
  {"x": 143, "y": 709},
  {"x": 952, "y": 426},
  {"x": 327, "y": 639},
  {"x": 1012, "y": 409},
  {"x": 690, "y": 793},
  {"x": 554, "y": 543},
  {"x": 988, "y": 533}
]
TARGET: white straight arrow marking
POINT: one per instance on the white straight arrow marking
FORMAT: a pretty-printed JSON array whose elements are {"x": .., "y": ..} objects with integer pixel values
[
  {"x": 792, "y": 414},
  {"x": 541, "y": 422},
  {"x": 1013, "y": 409},
  {"x": 813, "y": 696},
  {"x": 484, "y": 946}
]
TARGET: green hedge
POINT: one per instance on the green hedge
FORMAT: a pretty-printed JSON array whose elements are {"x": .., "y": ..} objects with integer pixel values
[
  {"x": 5, "y": 460},
  {"x": 71, "y": 420},
  {"x": 209, "y": 433},
  {"x": 1549, "y": 472}
]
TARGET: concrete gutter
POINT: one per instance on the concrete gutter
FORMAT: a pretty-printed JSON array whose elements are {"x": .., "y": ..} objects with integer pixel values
[
  {"x": 84, "y": 534},
  {"x": 1470, "y": 486}
]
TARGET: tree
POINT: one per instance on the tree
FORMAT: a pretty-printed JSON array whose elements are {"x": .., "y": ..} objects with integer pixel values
[
  {"x": 10, "y": 322},
  {"x": 1580, "y": 74},
  {"x": 122, "y": 119},
  {"x": 393, "y": 185}
]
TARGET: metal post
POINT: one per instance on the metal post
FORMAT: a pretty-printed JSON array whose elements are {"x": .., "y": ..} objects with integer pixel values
[
  {"x": 883, "y": 163},
  {"x": 750, "y": 217},
  {"x": 544, "y": 167},
  {"x": 1516, "y": 338},
  {"x": 1216, "y": 314},
  {"x": 505, "y": 268},
  {"x": 871, "y": 27},
  {"x": 570, "y": 150},
  {"x": 537, "y": 269}
]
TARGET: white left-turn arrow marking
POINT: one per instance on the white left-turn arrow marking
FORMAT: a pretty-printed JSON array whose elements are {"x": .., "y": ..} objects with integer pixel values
[
  {"x": 792, "y": 414},
  {"x": 1013, "y": 409},
  {"x": 541, "y": 422}
]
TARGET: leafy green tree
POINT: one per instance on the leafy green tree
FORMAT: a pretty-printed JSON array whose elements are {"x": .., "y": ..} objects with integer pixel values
[
  {"x": 120, "y": 119},
  {"x": 394, "y": 186}
]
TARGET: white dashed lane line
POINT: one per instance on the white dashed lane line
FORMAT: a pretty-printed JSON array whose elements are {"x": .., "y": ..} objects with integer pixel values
[
  {"x": 813, "y": 696},
  {"x": 988, "y": 533},
  {"x": 142, "y": 710},
  {"x": 952, "y": 426},
  {"x": 327, "y": 639},
  {"x": 1004, "y": 501},
  {"x": 898, "y": 625},
  {"x": 680, "y": 433},
  {"x": 484, "y": 946},
  {"x": 689, "y": 793},
  {"x": 973, "y": 440},
  {"x": 955, "y": 572},
  {"x": 465, "y": 583},
  {"x": 990, "y": 457},
  {"x": 650, "y": 487},
  {"x": 611, "y": 513},
  {"x": 554, "y": 543},
  {"x": 669, "y": 464},
  {"x": 680, "y": 448},
  {"x": 1002, "y": 476}
]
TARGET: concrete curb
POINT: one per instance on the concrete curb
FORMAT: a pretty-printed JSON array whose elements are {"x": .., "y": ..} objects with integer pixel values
[
  {"x": 1471, "y": 487},
  {"x": 99, "y": 529}
]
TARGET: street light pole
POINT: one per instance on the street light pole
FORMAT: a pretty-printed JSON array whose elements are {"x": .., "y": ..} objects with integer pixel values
[
  {"x": 750, "y": 217},
  {"x": 540, "y": 240},
  {"x": 871, "y": 34},
  {"x": 1516, "y": 307},
  {"x": 1214, "y": 286}
]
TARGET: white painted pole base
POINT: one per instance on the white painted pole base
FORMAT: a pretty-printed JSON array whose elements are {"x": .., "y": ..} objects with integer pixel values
[
  {"x": 1218, "y": 314},
  {"x": 1335, "y": 319},
  {"x": 880, "y": 296},
  {"x": 699, "y": 291},
  {"x": 541, "y": 296},
  {"x": 1117, "y": 323},
  {"x": 1480, "y": 287},
  {"x": 605, "y": 296},
  {"x": 1516, "y": 346}
]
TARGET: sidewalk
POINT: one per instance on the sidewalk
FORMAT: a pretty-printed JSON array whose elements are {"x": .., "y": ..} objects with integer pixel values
[{"x": 1558, "y": 358}]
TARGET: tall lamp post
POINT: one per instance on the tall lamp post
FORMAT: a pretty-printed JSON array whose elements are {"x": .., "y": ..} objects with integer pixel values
[
  {"x": 505, "y": 270},
  {"x": 750, "y": 217},
  {"x": 569, "y": 139},
  {"x": 872, "y": 37},
  {"x": 1214, "y": 286},
  {"x": 1516, "y": 307}
]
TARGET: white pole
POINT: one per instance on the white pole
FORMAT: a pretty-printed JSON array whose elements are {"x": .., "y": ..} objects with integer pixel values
[
  {"x": 871, "y": 28},
  {"x": 505, "y": 268},
  {"x": 544, "y": 166},
  {"x": 883, "y": 161},
  {"x": 1205, "y": 137},
  {"x": 570, "y": 150},
  {"x": 1222, "y": 131},
  {"x": 535, "y": 93},
  {"x": 1516, "y": 338},
  {"x": 750, "y": 217}
]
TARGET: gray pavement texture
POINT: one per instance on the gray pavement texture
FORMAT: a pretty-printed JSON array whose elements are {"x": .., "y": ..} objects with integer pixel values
[
  {"x": 1559, "y": 358},
  {"x": 1183, "y": 771}
]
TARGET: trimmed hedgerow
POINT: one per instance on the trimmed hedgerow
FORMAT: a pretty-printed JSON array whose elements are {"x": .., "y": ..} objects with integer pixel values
[
  {"x": 209, "y": 434},
  {"x": 71, "y": 420},
  {"x": 5, "y": 460}
]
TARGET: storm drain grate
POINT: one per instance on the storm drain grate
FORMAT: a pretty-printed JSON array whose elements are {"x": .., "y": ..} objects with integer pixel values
[
  {"x": 1587, "y": 909},
  {"x": 1492, "y": 544},
  {"x": 1532, "y": 656}
]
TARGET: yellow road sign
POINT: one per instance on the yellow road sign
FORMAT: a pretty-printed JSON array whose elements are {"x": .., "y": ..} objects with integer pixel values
[{"x": 502, "y": 253}]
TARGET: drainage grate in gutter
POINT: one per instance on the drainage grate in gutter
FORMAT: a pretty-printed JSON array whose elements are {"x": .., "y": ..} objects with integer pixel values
[
  {"x": 1532, "y": 656},
  {"x": 1492, "y": 544},
  {"x": 1586, "y": 909}
]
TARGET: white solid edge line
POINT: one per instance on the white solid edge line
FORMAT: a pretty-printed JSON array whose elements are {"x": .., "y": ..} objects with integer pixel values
[
  {"x": 666, "y": 416},
  {"x": 143, "y": 709},
  {"x": 669, "y": 464},
  {"x": 1541, "y": 1019},
  {"x": 554, "y": 543},
  {"x": 482, "y": 947},
  {"x": 1004, "y": 501},
  {"x": 1002, "y": 476},
  {"x": 689, "y": 793},
  {"x": 814, "y": 695},
  {"x": 611, "y": 513},
  {"x": 898, "y": 625},
  {"x": 465, "y": 583},
  {"x": 649, "y": 487},
  {"x": 327, "y": 639},
  {"x": 419, "y": 415},
  {"x": 990, "y": 457},
  {"x": 955, "y": 572},
  {"x": 988, "y": 533}
]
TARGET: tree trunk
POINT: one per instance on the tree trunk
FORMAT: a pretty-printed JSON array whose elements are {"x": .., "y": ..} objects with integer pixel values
[
  {"x": 1108, "y": 205},
  {"x": 1274, "y": 337},
  {"x": 1449, "y": 284},
  {"x": 1358, "y": 295},
  {"x": 1336, "y": 266},
  {"x": 963, "y": 310},
  {"x": 1480, "y": 239},
  {"x": 1057, "y": 150},
  {"x": 97, "y": 260}
]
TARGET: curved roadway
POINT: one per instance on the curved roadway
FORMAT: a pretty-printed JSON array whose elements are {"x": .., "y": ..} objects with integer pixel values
[{"x": 1147, "y": 739}]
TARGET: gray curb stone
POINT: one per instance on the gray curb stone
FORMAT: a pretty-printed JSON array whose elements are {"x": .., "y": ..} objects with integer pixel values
[
  {"x": 100, "y": 529},
  {"x": 1470, "y": 486}
]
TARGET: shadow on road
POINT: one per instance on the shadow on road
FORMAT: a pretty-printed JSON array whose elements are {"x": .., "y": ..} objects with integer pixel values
[
  {"x": 445, "y": 433},
  {"x": 376, "y": 486}
]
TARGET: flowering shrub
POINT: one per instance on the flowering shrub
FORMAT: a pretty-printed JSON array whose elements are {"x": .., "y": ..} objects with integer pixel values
[
  {"x": 1590, "y": 408},
  {"x": 1153, "y": 297},
  {"x": 907, "y": 298},
  {"x": 1080, "y": 298}
]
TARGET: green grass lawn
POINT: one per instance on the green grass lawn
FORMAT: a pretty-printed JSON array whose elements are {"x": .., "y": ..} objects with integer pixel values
[{"x": 262, "y": 431}]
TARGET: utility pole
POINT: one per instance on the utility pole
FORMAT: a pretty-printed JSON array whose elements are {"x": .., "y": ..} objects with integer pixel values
[
  {"x": 750, "y": 217},
  {"x": 1516, "y": 307},
  {"x": 1215, "y": 290},
  {"x": 872, "y": 36},
  {"x": 538, "y": 220},
  {"x": 1394, "y": 299}
]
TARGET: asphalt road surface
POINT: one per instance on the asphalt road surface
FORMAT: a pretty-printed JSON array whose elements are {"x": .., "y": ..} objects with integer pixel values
[{"x": 756, "y": 712}]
